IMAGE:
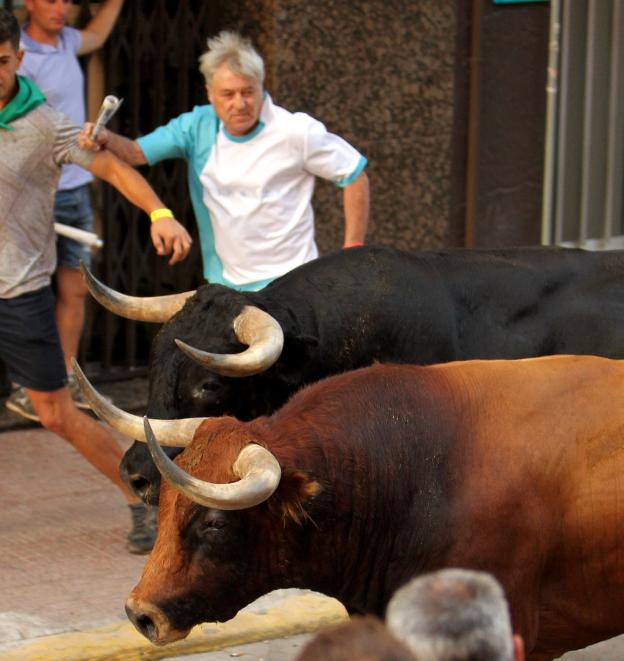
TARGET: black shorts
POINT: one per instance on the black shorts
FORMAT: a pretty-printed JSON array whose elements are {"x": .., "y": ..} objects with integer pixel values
[{"x": 29, "y": 341}]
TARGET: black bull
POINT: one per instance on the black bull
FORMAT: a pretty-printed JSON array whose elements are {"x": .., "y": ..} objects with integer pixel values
[{"x": 350, "y": 308}]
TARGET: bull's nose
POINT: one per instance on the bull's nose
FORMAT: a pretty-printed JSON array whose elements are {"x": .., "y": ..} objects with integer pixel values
[
  {"x": 142, "y": 622},
  {"x": 147, "y": 619}
]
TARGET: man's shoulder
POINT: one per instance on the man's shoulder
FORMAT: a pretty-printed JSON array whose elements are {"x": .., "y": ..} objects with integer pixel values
[
  {"x": 201, "y": 113},
  {"x": 44, "y": 114},
  {"x": 298, "y": 121},
  {"x": 196, "y": 119},
  {"x": 38, "y": 126},
  {"x": 69, "y": 38},
  {"x": 47, "y": 119}
]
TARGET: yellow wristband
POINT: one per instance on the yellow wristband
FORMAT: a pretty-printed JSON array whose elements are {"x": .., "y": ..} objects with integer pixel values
[{"x": 157, "y": 214}]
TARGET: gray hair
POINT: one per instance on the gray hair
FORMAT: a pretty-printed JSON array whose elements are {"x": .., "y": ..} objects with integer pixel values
[
  {"x": 453, "y": 615},
  {"x": 235, "y": 51}
]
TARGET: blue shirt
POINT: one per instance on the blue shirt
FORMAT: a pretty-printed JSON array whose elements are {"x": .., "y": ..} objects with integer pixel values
[{"x": 57, "y": 73}]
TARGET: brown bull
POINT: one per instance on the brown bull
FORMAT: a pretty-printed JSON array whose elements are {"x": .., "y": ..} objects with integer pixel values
[{"x": 370, "y": 477}]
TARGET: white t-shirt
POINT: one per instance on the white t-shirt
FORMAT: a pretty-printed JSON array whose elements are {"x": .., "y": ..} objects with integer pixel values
[{"x": 258, "y": 189}]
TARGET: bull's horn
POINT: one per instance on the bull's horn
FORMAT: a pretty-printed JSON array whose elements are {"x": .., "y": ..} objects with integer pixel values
[
  {"x": 157, "y": 309},
  {"x": 258, "y": 469},
  {"x": 176, "y": 433},
  {"x": 254, "y": 327}
]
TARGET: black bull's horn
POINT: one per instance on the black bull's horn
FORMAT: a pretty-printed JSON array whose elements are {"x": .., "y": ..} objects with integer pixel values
[
  {"x": 253, "y": 327},
  {"x": 176, "y": 433},
  {"x": 157, "y": 309},
  {"x": 258, "y": 470}
]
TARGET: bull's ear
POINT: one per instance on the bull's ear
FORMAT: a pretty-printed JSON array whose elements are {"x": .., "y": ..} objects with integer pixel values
[
  {"x": 295, "y": 490},
  {"x": 298, "y": 351}
]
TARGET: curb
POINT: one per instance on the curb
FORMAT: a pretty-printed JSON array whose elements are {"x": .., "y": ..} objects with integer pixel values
[{"x": 121, "y": 642}]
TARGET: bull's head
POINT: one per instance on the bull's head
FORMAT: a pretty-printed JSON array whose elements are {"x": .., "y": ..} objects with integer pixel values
[
  {"x": 224, "y": 537},
  {"x": 216, "y": 540},
  {"x": 242, "y": 340}
]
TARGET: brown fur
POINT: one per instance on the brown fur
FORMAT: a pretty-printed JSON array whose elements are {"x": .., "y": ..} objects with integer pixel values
[{"x": 512, "y": 467}]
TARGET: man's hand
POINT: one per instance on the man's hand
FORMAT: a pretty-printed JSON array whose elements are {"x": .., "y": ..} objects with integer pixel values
[
  {"x": 84, "y": 138},
  {"x": 169, "y": 236},
  {"x": 125, "y": 149}
]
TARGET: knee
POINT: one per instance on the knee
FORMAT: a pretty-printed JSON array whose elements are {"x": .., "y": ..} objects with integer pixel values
[
  {"x": 52, "y": 419},
  {"x": 58, "y": 414}
]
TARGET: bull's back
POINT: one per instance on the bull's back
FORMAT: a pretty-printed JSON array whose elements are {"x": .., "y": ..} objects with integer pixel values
[
  {"x": 537, "y": 301},
  {"x": 458, "y": 304},
  {"x": 541, "y": 483}
]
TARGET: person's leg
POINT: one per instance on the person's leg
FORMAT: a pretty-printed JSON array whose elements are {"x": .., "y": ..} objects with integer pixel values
[
  {"x": 71, "y": 208},
  {"x": 30, "y": 347},
  {"x": 71, "y": 292},
  {"x": 58, "y": 414}
]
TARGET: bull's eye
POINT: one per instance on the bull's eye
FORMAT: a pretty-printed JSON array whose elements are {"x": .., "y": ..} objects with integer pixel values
[
  {"x": 212, "y": 524},
  {"x": 203, "y": 390}
]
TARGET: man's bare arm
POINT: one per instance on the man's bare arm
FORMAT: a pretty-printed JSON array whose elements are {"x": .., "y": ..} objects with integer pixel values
[
  {"x": 124, "y": 148},
  {"x": 98, "y": 29},
  {"x": 168, "y": 235},
  {"x": 356, "y": 198}
]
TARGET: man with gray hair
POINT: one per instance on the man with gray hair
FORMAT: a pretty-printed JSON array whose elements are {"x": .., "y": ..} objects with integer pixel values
[
  {"x": 454, "y": 615},
  {"x": 252, "y": 167}
]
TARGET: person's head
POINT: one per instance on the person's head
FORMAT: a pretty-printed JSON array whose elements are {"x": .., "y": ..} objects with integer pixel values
[
  {"x": 10, "y": 55},
  {"x": 359, "y": 639},
  {"x": 49, "y": 16},
  {"x": 454, "y": 614},
  {"x": 234, "y": 75}
]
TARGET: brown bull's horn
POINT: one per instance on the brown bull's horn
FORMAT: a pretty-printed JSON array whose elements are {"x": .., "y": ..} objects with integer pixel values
[
  {"x": 258, "y": 469},
  {"x": 176, "y": 433},
  {"x": 157, "y": 309},
  {"x": 254, "y": 327}
]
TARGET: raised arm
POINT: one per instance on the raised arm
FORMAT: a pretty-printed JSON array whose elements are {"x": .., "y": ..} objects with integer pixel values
[
  {"x": 168, "y": 235},
  {"x": 356, "y": 207},
  {"x": 98, "y": 29}
]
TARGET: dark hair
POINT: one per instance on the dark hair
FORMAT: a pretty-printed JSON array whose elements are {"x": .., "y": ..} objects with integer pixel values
[
  {"x": 9, "y": 28},
  {"x": 360, "y": 639}
]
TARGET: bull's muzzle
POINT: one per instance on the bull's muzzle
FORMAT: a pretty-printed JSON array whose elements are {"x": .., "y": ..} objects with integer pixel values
[{"x": 150, "y": 621}]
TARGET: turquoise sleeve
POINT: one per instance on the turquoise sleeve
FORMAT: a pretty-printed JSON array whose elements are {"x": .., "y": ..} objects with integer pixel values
[{"x": 168, "y": 141}]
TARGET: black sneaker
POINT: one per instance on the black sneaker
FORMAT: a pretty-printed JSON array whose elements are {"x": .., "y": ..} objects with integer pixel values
[
  {"x": 141, "y": 538},
  {"x": 19, "y": 402}
]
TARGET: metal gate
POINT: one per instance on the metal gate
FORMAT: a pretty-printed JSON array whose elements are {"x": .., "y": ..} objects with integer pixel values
[
  {"x": 150, "y": 62},
  {"x": 583, "y": 191}
]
